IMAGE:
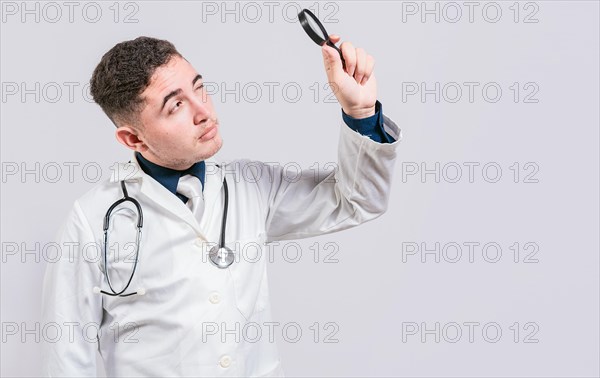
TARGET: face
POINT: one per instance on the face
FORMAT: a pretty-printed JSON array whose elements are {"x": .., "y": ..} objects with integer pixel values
[{"x": 179, "y": 126}]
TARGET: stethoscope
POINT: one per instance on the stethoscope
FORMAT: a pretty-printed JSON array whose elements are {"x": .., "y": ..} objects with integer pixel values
[{"x": 220, "y": 255}]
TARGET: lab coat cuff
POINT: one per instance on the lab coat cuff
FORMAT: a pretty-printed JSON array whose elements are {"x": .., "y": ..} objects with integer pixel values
[{"x": 389, "y": 126}]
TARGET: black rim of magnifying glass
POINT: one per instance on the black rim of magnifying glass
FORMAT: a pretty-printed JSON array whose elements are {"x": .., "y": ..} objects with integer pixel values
[{"x": 302, "y": 16}]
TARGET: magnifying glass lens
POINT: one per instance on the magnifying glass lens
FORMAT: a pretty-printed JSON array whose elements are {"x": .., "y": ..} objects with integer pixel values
[{"x": 316, "y": 29}]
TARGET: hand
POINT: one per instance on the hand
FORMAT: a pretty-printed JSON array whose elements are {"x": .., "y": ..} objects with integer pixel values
[{"x": 355, "y": 88}]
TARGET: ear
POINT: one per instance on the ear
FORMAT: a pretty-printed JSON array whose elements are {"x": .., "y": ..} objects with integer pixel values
[{"x": 129, "y": 137}]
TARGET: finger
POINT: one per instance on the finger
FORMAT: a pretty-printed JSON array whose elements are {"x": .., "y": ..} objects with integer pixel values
[
  {"x": 331, "y": 61},
  {"x": 361, "y": 64},
  {"x": 369, "y": 70},
  {"x": 349, "y": 53},
  {"x": 334, "y": 38}
]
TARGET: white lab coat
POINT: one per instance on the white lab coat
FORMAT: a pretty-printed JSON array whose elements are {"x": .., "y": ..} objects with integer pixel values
[{"x": 170, "y": 331}]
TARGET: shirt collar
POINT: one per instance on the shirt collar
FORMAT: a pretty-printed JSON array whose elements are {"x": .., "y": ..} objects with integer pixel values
[{"x": 167, "y": 177}]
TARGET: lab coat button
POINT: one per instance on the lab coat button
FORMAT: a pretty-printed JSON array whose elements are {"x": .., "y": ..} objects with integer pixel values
[
  {"x": 225, "y": 361},
  {"x": 214, "y": 298}
]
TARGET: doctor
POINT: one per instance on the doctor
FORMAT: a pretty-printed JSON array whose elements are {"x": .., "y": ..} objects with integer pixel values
[{"x": 187, "y": 316}]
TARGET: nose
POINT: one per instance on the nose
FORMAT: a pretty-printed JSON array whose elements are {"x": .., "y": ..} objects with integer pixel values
[{"x": 201, "y": 106}]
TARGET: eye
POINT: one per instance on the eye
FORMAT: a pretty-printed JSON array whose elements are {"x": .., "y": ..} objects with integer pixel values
[
  {"x": 174, "y": 108},
  {"x": 200, "y": 87}
]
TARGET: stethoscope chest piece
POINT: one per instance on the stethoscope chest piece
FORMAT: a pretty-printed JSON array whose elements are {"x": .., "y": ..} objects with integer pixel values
[{"x": 221, "y": 257}]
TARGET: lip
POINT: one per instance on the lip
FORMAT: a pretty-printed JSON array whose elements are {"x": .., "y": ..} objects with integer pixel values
[{"x": 209, "y": 133}]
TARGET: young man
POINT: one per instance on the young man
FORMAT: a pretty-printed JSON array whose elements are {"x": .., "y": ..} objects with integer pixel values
[{"x": 189, "y": 311}]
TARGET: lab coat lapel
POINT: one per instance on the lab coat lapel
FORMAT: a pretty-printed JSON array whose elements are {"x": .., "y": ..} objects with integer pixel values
[
  {"x": 168, "y": 201},
  {"x": 158, "y": 194}
]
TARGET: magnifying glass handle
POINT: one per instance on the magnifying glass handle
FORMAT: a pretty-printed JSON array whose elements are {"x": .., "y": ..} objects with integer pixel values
[{"x": 329, "y": 43}]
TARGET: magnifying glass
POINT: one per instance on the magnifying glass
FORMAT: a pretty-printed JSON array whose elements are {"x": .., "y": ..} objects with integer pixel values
[{"x": 315, "y": 30}]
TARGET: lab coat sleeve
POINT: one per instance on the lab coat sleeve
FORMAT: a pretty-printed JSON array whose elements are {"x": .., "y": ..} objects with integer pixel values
[
  {"x": 322, "y": 201},
  {"x": 69, "y": 304}
]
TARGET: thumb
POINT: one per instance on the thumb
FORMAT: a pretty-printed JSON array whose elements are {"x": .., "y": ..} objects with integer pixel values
[{"x": 331, "y": 61}]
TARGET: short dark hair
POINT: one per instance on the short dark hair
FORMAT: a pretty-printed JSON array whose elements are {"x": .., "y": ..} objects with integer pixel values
[{"x": 124, "y": 72}]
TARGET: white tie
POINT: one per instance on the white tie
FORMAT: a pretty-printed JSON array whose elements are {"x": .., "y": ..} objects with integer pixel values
[{"x": 191, "y": 187}]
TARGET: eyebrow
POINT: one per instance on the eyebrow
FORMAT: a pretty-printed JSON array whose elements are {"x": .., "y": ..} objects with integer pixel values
[{"x": 177, "y": 91}]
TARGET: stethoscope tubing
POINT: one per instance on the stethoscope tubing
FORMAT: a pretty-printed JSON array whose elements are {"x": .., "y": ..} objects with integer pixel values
[
  {"x": 225, "y": 209},
  {"x": 140, "y": 223}
]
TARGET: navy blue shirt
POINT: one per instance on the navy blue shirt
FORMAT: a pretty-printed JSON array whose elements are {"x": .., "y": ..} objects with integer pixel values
[
  {"x": 371, "y": 126},
  {"x": 169, "y": 178}
]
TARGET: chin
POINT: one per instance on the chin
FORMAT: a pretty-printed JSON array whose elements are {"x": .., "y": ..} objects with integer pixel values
[{"x": 211, "y": 147}]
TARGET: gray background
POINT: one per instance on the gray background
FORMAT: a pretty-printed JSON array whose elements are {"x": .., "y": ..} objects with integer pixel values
[{"x": 373, "y": 289}]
